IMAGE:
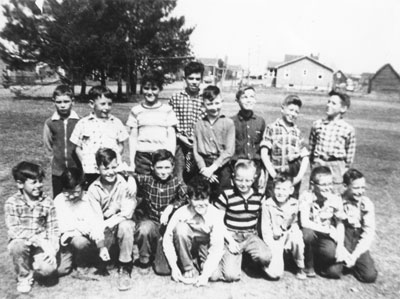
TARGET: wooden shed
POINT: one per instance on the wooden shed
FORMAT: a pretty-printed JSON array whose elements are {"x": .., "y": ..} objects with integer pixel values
[{"x": 385, "y": 80}]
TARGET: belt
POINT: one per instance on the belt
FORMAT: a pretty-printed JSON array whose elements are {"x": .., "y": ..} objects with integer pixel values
[{"x": 329, "y": 158}]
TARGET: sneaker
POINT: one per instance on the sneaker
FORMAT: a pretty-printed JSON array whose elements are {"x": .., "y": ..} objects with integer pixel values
[
  {"x": 143, "y": 268},
  {"x": 124, "y": 279},
  {"x": 310, "y": 272},
  {"x": 301, "y": 274},
  {"x": 24, "y": 285},
  {"x": 83, "y": 274}
]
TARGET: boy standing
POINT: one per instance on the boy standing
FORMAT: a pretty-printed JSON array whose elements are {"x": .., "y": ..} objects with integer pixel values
[
  {"x": 332, "y": 140},
  {"x": 280, "y": 229},
  {"x": 242, "y": 207},
  {"x": 195, "y": 228},
  {"x": 110, "y": 196},
  {"x": 152, "y": 125},
  {"x": 249, "y": 129},
  {"x": 56, "y": 133},
  {"x": 162, "y": 193},
  {"x": 283, "y": 149},
  {"x": 188, "y": 106},
  {"x": 98, "y": 129},
  {"x": 359, "y": 224},
  {"x": 321, "y": 214},
  {"x": 32, "y": 227},
  {"x": 214, "y": 143}
]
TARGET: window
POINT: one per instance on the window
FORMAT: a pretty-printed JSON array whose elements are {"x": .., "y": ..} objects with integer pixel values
[
  {"x": 287, "y": 74},
  {"x": 305, "y": 72},
  {"x": 320, "y": 77}
]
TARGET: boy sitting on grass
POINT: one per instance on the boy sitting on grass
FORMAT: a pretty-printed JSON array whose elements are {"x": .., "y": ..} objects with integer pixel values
[
  {"x": 242, "y": 207},
  {"x": 280, "y": 229},
  {"x": 111, "y": 198},
  {"x": 32, "y": 228},
  {"x": 82, "y": 232},
  {"x": 321, "y": 215},
  {"x": 359, "y": 225},
  {"x": 161, "y": 194},
  {"x": 214, "y": 143},
  {"x": 98, "y": 129}
]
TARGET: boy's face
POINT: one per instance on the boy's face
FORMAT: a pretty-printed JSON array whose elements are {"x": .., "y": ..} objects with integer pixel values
[
  {"x": 163, "y": 169},
  {"x": 244, "y": 179},
  {"x": 247, "y": 100},
  {"x": 108, "y": 174},
  {"x": 334, "y": 107},
  {"x": 193, "y": 82},
  {"x": 150, "y": 92},
  {"x": 323, "y": 186},
  {"x": 283, "y": 190},
  {"x": 63, "y": 105},
  {"x": 213, "y": 108},
  {"x": 290, "y": 113},
  {"x": 31, "y": 188},
  {"x": 356, "y": 189},
  {"x": 101, "y": 106},
  {"x": 200, "y": 206},
  {"x": 73, "y": 194}
]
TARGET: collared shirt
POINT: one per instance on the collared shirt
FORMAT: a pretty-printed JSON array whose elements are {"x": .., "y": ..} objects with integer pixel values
[
  {"x": 285, "y": 144},
  {"x": 157, "y": 194},
  {"x": 25, "y": 220},
  {"x": 241, "y": 213},
  {"x": 215, "y": 140},
  {"x": 154, "y": 127},
  {"x": 56, "y": 134},
  {"x": 92, "y": 133},
  {"x": 249, "y": 134},
  {"x": 81, "y": 216},
  {"x": 188, "y": 110},
  {"x": 361, "y": 215},
  {"x": 113, "y": 202},
  {"x": 209, "y": 226},
  {"x": 333, "y": 139}
]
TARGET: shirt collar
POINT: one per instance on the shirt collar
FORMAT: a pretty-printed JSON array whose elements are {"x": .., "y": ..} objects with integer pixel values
[
  {"x": 98, "y": 183},
  {"x": 326, "y": 120},
  {"x": 21, "y": 196},
  {"x": 93, "y": 116},
  {"x": 219, "y": 116},
  {"x": 240, "y": 116},
  {"x": 282, "y": 124},
  {"x": 72, "y": 115}
]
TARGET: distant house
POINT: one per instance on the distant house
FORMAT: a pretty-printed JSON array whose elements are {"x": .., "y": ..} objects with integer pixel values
[
  {"x": 339, "y": 80},
  {"x": 304, "y": 73},
  {"x": 385, "y": 80}
]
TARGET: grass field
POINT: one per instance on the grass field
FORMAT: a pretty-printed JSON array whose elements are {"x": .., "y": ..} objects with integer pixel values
[{"x": 377, "y": 124}]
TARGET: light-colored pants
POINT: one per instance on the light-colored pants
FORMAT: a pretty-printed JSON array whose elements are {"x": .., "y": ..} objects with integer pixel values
[
  {"x": 292, "y": 241},
  {"x": 122, "y": 236}
]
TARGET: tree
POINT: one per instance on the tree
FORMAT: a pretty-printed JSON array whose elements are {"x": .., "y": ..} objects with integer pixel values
[{"x": 94, "y": 37}]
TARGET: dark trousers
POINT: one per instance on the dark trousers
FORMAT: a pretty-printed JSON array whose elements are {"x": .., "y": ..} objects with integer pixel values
[
  {"x": 89, "y": 179},
  {"x": 57, "y": 185},
  {"x": 185, "y": 166},
  {"x": 224, "y": 175}
]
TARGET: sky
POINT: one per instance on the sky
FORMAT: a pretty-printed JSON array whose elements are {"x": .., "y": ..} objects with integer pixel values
[{"x": 354, "y": 36}]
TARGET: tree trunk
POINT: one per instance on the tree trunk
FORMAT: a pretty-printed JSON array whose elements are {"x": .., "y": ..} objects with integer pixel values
[
  {"x": 103, "y": 78},
  {"x": 83, "y": 88},
  {"x": 119, "y": 91}
]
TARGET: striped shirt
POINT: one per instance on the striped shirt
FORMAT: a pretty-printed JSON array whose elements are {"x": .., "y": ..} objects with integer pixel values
[
  {"x": 332, "y": 139},
  {"x": 240, "y": 213},
  {"x": 25, "y": 220},
  {"x": 157, "y": 194}
]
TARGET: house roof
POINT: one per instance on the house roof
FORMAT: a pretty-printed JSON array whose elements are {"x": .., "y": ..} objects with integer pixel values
[
  {"x": 209, "y": 61},
  {"x": 273, "y": 64},
  {"x": 302, "y": 58},
  {"x": 387, "y": 65}
]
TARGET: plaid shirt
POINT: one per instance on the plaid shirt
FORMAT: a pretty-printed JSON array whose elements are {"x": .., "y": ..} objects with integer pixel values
[
  {"x": 188, "y": 110},
  {"x": 284, "y": 143},
  {"x": 157, "y": 194},
  {"x": 333, "y": 139},
  {"x": 25, "y": 220}
]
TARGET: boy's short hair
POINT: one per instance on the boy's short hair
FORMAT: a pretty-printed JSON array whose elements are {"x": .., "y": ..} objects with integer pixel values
[
  {"x": 155, "y": 77},
  {"x": 281, "y": 178},
  {"x": 318, "y": 171},
  {"x": 162, "y": 155},
  {"x": 292, "y": 99},
  {"x": 27, "y": 170},
  {"x": 198, "y": 188},
  {"x": 104, "y": 156},
  {"x": 241, "y": 91},
  {"x": 97, "y": 91},
  {"x": 351, "y": 175},
  {"x": 71, "y": 178},
  {"x": 194, "y": 67},
  {"x": 63, "y": 90},
  {"x": 211, "y": 92},
  {"x": 245, "y": 164},
  {"x": 345, "y": 99}
]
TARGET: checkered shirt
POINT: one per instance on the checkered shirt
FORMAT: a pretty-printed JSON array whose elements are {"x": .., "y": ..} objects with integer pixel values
[
  {"x": 157, "y": 194},
  {"x": 188, "y": 110},
  {"x": 333, "y": 139},
  {"x": 285, "y": 144},
  {"x": 25, "y": 220}
]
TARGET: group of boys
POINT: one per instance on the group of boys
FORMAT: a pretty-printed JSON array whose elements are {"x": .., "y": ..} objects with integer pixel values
[{"x": 201, "y": 190}]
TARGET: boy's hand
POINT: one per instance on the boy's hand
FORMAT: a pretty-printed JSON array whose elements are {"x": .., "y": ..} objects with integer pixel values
[
  {"x": 333, "y": 233},
  {"x": 234, "y": 247},
  {"x": 132, "y": 188},
  {"x": 165, "y": 215},
  {"x": 213, "y": 179},
  {"x": 208, "y": 172},
  {"x": 67, "y": 237},
  {"x": 103, "y": 254}
]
